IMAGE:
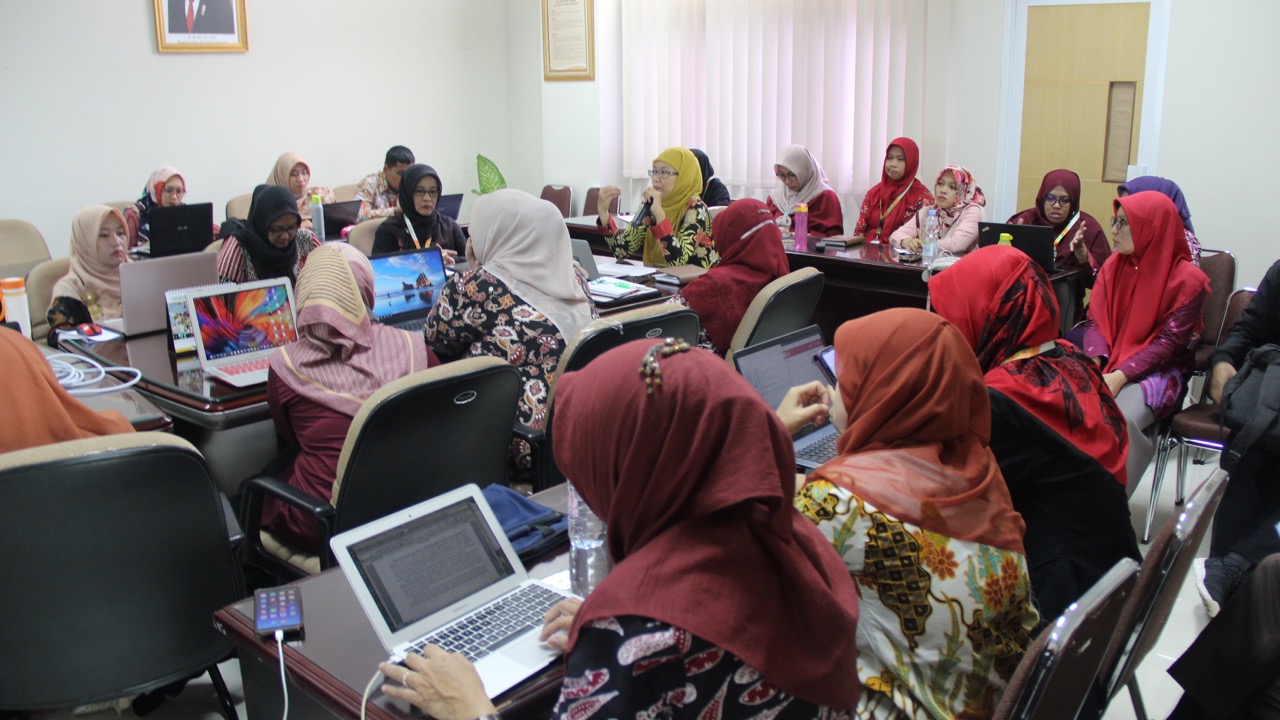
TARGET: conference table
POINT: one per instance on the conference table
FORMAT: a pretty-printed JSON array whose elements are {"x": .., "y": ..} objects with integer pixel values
[
  {"x": 144, "y": 415},
  {"x": 330, "y": 667}
]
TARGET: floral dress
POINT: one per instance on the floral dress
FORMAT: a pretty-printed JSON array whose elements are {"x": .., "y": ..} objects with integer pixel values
[
  {"x": 691, "y": 245},
  {"x": 633, "y": 667},
  {"x": 942, "y": 622}
]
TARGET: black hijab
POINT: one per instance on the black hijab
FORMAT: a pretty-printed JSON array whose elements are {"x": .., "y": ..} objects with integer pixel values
[
  {"x": 425, "y": 227},
  {"x": 269, "y": 203},
  {"x": 714, "y": 192}
]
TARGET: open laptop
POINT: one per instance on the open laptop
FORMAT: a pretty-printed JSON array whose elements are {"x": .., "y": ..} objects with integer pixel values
[
  {"x": 582, "y": 253},
  {"x": 338, "y": 216},
  {"x": 450, "y": 205},
  {"x": 438, "y": 572},
  {"x": 1034, "y": 240},
  {"x": 774, "y": 367},
  {"x": 142, "y": 287},
  {"x": 238, "y": 329},
  {"x": 181, "y": 229},
  {"x": 406, "y": 285}
]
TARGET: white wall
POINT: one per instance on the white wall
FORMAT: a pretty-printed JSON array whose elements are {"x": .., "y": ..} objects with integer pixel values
[{"x": 88, "y": 107}]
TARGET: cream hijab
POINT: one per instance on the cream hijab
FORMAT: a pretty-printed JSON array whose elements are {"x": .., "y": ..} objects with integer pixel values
[
  {"x": 524, "y": 242},
  {"x": 284, "y": 165},
  {"x": 813, "y": 181},
  {"x": 94, "y": 277}
]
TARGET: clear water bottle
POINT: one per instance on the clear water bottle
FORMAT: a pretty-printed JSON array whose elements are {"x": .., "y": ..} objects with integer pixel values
[
  {"x": 317, "y": 217},
  {"x": 932, "y": 233},
  {"x": 588, "y": 557}
]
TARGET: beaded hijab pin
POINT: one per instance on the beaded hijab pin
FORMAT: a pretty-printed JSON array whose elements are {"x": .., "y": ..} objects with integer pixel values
[{"x": 649, "y": 369}]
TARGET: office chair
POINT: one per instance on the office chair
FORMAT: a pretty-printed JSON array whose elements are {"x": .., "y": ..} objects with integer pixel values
[
  {"x": 561, "y": 196},
  {"x": 40, "y": 282},
  {"x": 592, "y": 202},
  {"x": 420, "y": 436},
  {"x": 238, "y": 207},
  {"x": 361, "y": 236},
  {"x": 21, "y": 242},
  {"x": 782, "y": 306},
  {"x": 345, "y": 193},
  {"x": 117, "y": 557},
  {"x": 1220, "y": 266}
]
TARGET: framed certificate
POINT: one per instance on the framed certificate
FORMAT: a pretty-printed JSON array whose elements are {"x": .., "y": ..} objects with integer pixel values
[{"x": 568, "y": 40}]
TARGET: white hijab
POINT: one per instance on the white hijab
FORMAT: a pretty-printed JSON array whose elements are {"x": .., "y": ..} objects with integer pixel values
[
  {"x": 813, "y": 181},
  {"x": 524, "y": 242}
]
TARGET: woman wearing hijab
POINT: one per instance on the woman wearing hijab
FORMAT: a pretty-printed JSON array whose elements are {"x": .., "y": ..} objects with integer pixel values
[
  {"x": 1170, "y": 190},
  {"x": 98, "y": 241},
  {"x": 420, "y": 226},
  {"x": 723, "y": 602},
  {"x": 317, "y": 383},
  {"x": 801, "y": 180},
  {"x": 272, "y": 243},
  {"x": 676, "y": 227},
  {"x": 1080, "y": 241},
  {"x": 165, "y": 188},
  {"x": 522, "y": 299},
  {"x": 714, "y": 193},
  {"x": 38, "y": 410},
  {"x": 293, "y": 173},
  {"x": 917, "y": 508},
  {"x": 1141, "y": 325},
  {"x": 751, "y": 256},
  {"x": 959, "y": 202},
  {"x": 1056, "y": 432},
  {"x": 898, "y": 196}
]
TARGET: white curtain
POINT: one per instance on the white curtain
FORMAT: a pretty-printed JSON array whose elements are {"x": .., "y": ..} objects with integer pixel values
[{"x": 742, "y": 79}]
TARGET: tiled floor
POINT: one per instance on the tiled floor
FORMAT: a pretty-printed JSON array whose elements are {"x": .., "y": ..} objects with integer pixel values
[{"x": 1159, "y": 691}]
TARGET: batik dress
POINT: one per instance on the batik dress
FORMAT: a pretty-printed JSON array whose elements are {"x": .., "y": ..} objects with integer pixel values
[{"x": 689, "y": 244}]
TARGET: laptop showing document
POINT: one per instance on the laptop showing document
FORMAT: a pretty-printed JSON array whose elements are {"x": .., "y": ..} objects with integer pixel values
[
  {"x": 238, "y": 329},
  {"x": 774, "y": 367},
  {"x": 180, "y": 229},
  {"x": 442, "y": 572},
  {"x": 143, "y": 284},
  {"x": 406, "y": 285}
]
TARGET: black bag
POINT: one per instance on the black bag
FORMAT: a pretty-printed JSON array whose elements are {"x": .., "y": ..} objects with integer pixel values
[{"x": 1251, "y": 406}]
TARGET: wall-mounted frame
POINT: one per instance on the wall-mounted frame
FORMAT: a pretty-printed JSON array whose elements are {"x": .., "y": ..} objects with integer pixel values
[
  {"x": 201, "y": 26},
  {"x": 568, "y": 40}
]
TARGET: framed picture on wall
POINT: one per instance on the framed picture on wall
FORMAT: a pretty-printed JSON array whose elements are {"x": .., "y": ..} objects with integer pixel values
[
  {"x": 201, "y": 26},
  {"x": 568, "y": 40}
]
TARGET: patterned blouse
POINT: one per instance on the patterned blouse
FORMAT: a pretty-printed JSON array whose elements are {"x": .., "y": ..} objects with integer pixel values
[
  {"x": 377, "y": 199},
  {"x": 633, "y": 667},
  {"x": 304, "y": 202},
  {"x": 948, "y": 653},
  {"x": 234, "y": 265},
  {"x": 704, "y": 340},
  {"x": 692, "y": 245}
]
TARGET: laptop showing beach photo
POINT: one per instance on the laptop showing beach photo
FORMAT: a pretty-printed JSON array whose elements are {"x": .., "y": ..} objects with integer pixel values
[
  {"x": 406, "y": 285},
  {"x": 237, "y": 329}
]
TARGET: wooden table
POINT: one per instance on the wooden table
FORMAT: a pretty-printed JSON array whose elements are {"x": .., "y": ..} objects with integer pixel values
[{"x": 330, "y": 668}]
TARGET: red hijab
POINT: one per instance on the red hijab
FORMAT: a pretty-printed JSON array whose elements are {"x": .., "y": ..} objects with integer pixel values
[
  {"x": 695, "y": 484},
  {"x": 1002, "y": 303},
  {"x": 1070, "y": 182},
  {"x": 751, "y": 256},
  {"x": 1129, "y": 306},
  {"x": 919, "y": 424},
  {"x": 882, "y": 220}
]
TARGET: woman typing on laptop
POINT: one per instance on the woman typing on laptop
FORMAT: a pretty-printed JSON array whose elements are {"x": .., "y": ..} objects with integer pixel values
[
  {"x": 165, "y": 188},
  {"x": 706, "y": 544},
  {"x": 420, "y": 226},
  {"x": 272, "y": 243}
]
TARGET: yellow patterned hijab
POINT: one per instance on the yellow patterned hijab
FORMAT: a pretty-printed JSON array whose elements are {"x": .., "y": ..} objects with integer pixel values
[{"x": 688, "y": 184}]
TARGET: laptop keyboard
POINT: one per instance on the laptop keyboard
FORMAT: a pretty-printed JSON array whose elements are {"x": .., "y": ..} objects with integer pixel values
[
  {"x": 491, "y": 627},
  {"x": 246, "y": 366},
  {"x": 413, "y": 325},
  {"x": 820, "y": 451}
]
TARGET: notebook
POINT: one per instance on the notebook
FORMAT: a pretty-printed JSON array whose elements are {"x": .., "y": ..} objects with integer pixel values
[
  {"x": 582, "y": 253},
  {"x": 406, "y": 285},
  {"x": 450, "y": 205},
  {"x": 338, "y": 216},
  {"x": 432, "y": 572},
  {"x": 774, "y": 367},
  {"x": 1034, "y": 240},
  {"x": 182, "y": 334},
  {"x": 143, "y": 286},
  {"x": 181, "y": 229},
  {"x": 237, "y": 329}
]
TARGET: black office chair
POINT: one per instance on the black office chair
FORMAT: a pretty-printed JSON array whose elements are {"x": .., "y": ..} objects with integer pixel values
[
  {"x": 784, "y": 305},
  {"x": 420, "y": 436},
  {"x": 116, "y": 557},
  {"x": 593, "y": 340}
]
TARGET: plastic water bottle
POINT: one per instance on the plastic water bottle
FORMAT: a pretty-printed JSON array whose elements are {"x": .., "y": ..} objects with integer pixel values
[
  {"x": 317, "y": 217},
  {"x": 588, "y": 557},
  {"x": 16, "y": 309},
  {"x": 932, "y": 233},
  {"x": 802, "y": 227}
]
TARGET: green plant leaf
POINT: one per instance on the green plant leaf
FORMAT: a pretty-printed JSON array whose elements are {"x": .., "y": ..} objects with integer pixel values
[{"x": 490, "y": 177}]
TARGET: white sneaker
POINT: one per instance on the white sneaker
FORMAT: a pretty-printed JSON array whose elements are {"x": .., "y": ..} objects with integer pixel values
[{"x": 1211, "y": 606}]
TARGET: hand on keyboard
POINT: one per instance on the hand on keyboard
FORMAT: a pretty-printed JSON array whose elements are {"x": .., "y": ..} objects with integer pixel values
[
  {"x": 558, "y": 620},
  {"x": 444, "y": 685}
]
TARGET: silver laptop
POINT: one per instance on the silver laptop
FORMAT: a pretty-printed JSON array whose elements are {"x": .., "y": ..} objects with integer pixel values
[
  {"x": 776, "y": 366},
  {"x": 142, "y": 286},
  {"x": 237, "y": 330},
  {"x": 439, "y": 572},
  {"x": 582, "y": 253},
  {"x": 406, "y": 285}
]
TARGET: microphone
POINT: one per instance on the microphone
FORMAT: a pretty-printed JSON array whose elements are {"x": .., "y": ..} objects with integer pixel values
[{"x": 643, "y": 212}]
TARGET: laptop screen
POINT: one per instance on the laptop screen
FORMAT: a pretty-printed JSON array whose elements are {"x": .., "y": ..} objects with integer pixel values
[
  {"x": 407, "y": 282},
  {"x": 244, "y": 321},
  {"x": 430, "y": 562},
  {"x": 776, "y": 366},
  {"x": 338, "y": 216}
]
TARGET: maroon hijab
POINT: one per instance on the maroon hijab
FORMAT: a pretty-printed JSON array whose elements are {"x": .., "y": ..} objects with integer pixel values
[
  {"x": 695, "y": 483},
  {"x": 888, "y": 202},
  {"x": 1093, "y": 232},
  {"x": 751, "y": 256}
]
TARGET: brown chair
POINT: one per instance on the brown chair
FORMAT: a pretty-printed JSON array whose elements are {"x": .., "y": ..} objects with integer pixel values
[
  {"x": 1221, "y": 269},
  {"x": 1163, "y": 572},
  {"x": 1198, "y": 425},
  {"x": 21, "y": 242},
  {"x": 343, "y": 193},
  {"x": 782, "y": 306},
  {"x": 40, "y": 282},
  {"x": 238, "y": 207},
  {"x": 361, "y": 236},
  {"x": 1058, "y": 670},
  {"x": 591, "y": 206},
  {"x": 561, "y": 196}
]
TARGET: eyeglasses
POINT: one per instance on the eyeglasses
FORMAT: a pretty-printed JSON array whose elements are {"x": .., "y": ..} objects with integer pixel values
[
  {"x": 785, "y": 176},
  {"x": 1059, "y": 201},
  {"x": 422, "y": 192},
  {"x": 174, "y": 192},
  {"x": 664, "y": 174},
  {"x": 1118, "y": 223},
  {"x": 282, "y": 231}
]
